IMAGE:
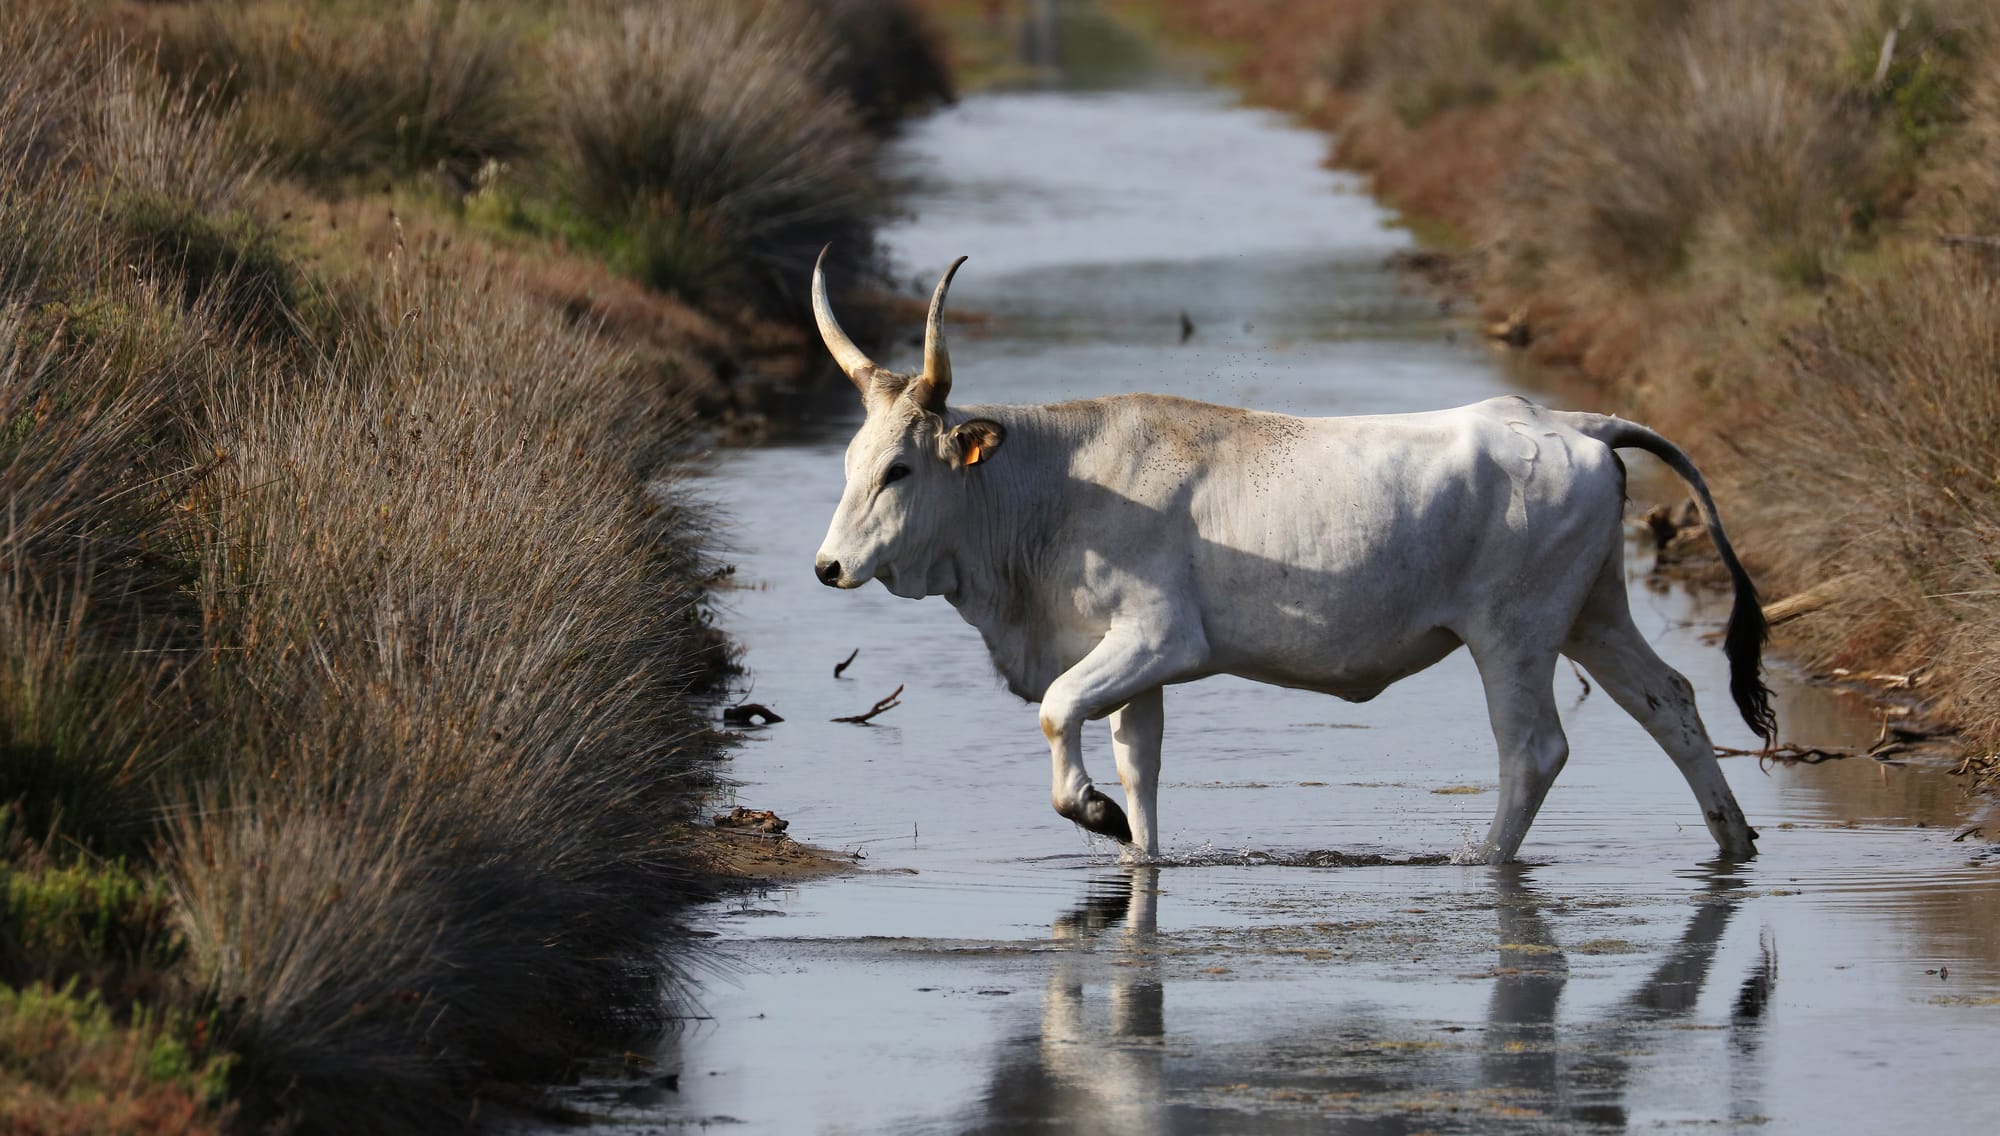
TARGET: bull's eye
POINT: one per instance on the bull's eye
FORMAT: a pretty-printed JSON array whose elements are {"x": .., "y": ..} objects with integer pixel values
[{"x": 897, "y": 472}]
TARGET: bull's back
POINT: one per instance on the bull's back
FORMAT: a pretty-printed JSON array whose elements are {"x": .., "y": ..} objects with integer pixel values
[{"x": 1343, "y": 553}]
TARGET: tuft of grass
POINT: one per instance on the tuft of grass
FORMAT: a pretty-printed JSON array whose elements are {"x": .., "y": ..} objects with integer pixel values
[
  {"x": 1896, "y": 379},
  {"x": 889, "y": 61},
  {"x": 377, "y": 90},
  {"x": 459, "y": 640},
  {"x": 704, "y": 132},
  {"x": 1722, "y": 145},
  {"x": 230, "y": 264},
  {"x": 81, "y": 724}
]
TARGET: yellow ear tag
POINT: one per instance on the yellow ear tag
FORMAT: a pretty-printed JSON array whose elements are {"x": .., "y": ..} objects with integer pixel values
[{"x": 975, "y": 452}]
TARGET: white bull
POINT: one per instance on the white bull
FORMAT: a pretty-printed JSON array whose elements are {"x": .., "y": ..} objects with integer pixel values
[{"x": 1106, "y": 548}]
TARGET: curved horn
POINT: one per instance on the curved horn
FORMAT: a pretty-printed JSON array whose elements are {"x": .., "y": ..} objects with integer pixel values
[
  {"x": 934, "y": 385},
  {"x": 854, "y": 363}
]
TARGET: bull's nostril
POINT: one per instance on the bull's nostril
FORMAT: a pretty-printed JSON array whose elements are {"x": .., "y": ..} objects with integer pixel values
[{"x": 829, "y": 573}]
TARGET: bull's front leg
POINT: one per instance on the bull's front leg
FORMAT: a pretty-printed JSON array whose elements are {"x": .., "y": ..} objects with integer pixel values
[
  {"x": 1121, "y": 668},
  {"x": 1136, "y": 730}
]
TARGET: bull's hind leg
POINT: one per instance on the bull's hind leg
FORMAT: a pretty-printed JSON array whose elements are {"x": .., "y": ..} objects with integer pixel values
[
  {"x": 1605, "y": 643},
  {"x": 1520, "y": 702}
]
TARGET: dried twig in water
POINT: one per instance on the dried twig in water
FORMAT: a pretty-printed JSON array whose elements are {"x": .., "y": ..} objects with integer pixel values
[
  {"x": 843, "y": 665},
  {"x": 749, "y": 714},
  {"x": 881, "y": 707}
]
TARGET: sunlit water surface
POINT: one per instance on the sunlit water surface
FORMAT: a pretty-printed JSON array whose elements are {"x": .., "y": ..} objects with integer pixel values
[{"x": 993, "y": 970}]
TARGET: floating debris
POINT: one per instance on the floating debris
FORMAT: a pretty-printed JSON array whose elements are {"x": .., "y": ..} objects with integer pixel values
[
  {"x": 882, "y": 707},
  {"x": 749, "y": 714}
]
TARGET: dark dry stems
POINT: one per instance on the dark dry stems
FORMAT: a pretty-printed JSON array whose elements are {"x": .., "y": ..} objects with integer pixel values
[{"x": 881, "y": 707}]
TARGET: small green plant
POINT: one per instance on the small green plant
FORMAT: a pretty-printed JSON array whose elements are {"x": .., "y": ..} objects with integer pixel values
[
  {"x": 99, "y": 920},
  {"x": 67, "y": 1064}
]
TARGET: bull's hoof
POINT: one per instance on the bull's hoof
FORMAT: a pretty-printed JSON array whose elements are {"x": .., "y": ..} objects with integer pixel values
[{"x": 1101, "y": 815}]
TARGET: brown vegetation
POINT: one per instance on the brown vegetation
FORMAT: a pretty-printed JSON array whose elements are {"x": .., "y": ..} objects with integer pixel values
[
  {"x": 352, "y": 648},
  {"x": 1727, "y": 215}
]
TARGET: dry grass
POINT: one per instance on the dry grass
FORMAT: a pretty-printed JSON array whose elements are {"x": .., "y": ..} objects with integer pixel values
[
  {"x": 339, "y": 94},
  {"x": 1886, "y": 436},
  {"x": 704, "y": 148},
  {"x": 459, "y": 645},
  {"x": 1722, "y": 152},
  {"x": 348, "y": 608},
  {"x": 705, "y": 131},
  {"x": 888, "y": 59}
]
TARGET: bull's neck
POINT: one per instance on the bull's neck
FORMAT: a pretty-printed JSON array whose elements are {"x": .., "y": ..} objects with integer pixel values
[{"x": 1012, "y": 505}]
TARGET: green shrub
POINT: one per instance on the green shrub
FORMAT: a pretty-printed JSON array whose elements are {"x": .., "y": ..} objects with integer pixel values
[
  {"x": 97, "y": 921},
  {"x": 231, "y": 265},
  {"x": 68, "y": 1066}
]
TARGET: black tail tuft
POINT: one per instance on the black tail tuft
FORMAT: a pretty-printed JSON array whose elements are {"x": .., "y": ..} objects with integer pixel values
[{"x": 1743, "y": 645}]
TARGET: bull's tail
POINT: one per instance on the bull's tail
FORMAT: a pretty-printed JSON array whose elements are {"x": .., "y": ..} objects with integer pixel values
[{"x": 1743, "y": 643}]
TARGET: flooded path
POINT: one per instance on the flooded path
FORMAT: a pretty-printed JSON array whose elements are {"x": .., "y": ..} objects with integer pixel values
[{"x": 1305, "y": 962}]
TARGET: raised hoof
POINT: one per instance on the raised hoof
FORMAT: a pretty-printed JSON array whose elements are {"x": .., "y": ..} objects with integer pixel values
[{"x": 1101, "y": 815}]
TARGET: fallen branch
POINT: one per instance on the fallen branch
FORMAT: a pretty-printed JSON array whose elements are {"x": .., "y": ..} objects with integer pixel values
[
  {"x": 843, "y": 665},
  {"x": 887, "y": 704},
  {"x": 1974, "y": 240},
  {"x": 1810, "y": 600}
]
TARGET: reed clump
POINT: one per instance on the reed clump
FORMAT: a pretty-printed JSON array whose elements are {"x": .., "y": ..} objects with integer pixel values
[
  {"x": 352, "y": 646},
  {"x": 700, "y": 148}
]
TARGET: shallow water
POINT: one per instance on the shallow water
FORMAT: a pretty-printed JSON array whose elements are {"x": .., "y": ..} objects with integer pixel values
[{"x": 993, "y": 969}]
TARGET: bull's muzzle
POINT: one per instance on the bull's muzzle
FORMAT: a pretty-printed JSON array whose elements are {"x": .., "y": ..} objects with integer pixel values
[{"x": 828, "y": 572}]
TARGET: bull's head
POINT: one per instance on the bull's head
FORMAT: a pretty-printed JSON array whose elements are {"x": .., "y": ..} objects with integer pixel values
[{"x": 906, "y": 468}]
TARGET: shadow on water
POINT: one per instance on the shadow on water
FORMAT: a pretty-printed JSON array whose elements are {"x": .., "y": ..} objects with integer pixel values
[{"x": 1104, "y": 1056}]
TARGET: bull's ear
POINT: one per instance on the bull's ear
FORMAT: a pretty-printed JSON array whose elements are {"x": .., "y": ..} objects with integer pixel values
[{"x": 973, "y": 442}]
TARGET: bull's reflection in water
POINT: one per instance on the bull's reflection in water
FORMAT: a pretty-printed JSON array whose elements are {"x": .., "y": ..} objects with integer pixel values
[{"x": 1105, "y": 1061}]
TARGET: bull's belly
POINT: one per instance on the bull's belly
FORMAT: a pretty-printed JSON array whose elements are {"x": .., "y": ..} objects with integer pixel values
[{"x": 1356, "y": 671}]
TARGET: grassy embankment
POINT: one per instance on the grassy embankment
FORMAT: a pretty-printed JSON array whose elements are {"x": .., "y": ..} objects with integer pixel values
[
  {"x": 1741, "y": 220},
  {"x": 351, "y": 649}
]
